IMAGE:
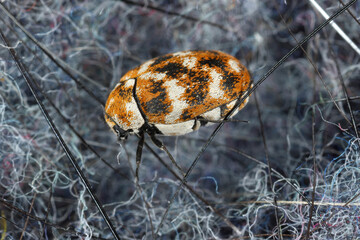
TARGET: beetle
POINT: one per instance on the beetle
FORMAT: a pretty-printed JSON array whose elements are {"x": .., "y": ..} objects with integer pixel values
[{"x": 176, "y": 93}]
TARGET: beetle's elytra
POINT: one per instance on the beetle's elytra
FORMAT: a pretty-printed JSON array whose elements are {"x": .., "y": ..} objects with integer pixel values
[{"x": 177, "y": 93}]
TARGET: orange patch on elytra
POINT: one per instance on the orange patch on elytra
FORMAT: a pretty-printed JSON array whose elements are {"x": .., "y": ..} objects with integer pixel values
[
  {"x": 116, "y": 105},
  {"x": 133, "y": 73}
]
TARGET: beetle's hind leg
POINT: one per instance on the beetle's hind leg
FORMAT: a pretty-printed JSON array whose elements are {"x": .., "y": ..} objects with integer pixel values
[
  {"x": 139, "y": 154},
  {"x": 227, "y": 120},
  {"x": 160, "y": 145}
]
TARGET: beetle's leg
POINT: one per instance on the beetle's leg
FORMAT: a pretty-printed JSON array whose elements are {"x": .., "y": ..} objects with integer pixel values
[
  {"x": 160, "y": 145},
  {"x": 156, "y": 141},
  {"x": 227, "y": 120},
  {"x": 139, "y": 154},
  {"x": 203, "y": 121}
]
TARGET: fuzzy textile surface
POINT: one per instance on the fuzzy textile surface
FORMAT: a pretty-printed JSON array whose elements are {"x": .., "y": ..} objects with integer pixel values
[{"x": 288, "y": 168}]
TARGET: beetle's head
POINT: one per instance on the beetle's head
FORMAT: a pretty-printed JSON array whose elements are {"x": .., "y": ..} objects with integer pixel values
[{"x": 121, "y": 133}]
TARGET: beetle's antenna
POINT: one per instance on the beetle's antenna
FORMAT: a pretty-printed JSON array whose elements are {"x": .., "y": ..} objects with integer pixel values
[{"x": 242, "y": 99}]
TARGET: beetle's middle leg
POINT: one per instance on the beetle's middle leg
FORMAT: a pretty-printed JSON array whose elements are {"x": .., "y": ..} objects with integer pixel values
[
  {"x": 160, "y": 145},
  {"x": 139, "y": 154}
]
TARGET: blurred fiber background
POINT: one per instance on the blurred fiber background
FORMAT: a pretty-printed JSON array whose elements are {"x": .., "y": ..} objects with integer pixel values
[{"x": 308, "y": 139}]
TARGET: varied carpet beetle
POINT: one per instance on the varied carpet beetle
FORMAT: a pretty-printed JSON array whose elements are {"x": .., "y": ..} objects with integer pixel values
[{"x": 177, "y": 93}]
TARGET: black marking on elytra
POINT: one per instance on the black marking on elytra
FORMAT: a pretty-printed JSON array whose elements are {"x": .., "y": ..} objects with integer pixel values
[
  {"x": 157, "y": 105},
  {"x": 186, "y": 115},
  {"x": 161, "y": 59},
  {"x": 213, "y": 62},
  {"x": 201, "y": 80},
  {"x": 228, "y": 84},
  {"x": 157, "y": 86},
  {"x": 197, "y": 95},
  {"x": 173, "y": 70},
  {"x": 192, "y": 73},
  {"x": 124, "y": 93}
]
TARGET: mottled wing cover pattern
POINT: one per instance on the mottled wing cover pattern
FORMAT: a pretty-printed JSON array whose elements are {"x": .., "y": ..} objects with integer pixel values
[
  {"x": 178, "y": 87},
  {"x": 122, "y": 107}
]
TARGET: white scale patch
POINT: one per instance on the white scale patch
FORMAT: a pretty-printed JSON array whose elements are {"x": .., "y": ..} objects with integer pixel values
[
  {"x": 190, "y": 62},
  {"x": 175, "y": 94},
  {"x": 110, "y": 103},
  {"x": 136, "y": 120},
  {"x": 214, "y": 86},
  {"x": 230, "y": 106},
  {"x": 145, "y": 66},
  {"x": 182, "y": 54},
  {"x": 177, "y": 128},
  {"x": 129, "y": 83},
  {"x": 153, "y": 76},
  {"x": 147, "y": 76},
  {"x": 212, "y": 115},
  {"x": 158, "y": 76},
  {"x": 246, "y": 101},
  {"x": 234, "y": 65}
]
